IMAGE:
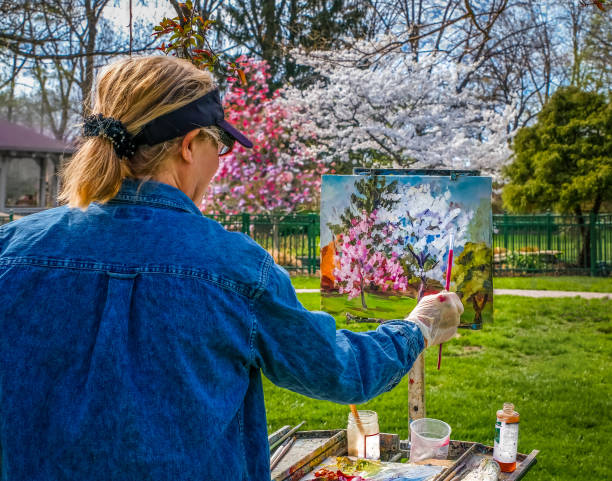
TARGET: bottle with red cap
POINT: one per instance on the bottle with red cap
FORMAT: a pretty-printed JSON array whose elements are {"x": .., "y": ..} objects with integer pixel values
[{"x": 506, "y": 438}]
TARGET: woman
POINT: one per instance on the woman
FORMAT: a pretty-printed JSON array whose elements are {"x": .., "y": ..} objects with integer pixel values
[{"x": 134, "y": 330}]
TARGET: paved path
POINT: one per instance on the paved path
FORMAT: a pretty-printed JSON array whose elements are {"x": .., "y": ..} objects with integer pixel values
[
  {"x": 521, "y": 292},
  {"x": 533, "y": 293}
]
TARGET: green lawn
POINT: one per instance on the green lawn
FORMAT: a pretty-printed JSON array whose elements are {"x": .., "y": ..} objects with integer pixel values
[
  {"x": 549, "y": 283},
  {"x": 561, "y": 283},
  {"x": 551, "y": 357}
]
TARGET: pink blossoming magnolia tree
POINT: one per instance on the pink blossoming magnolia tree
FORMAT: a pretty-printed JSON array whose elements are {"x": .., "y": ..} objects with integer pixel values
[
  {"x": 281, "y": 172},
  {"x": 363, "y": 265}
]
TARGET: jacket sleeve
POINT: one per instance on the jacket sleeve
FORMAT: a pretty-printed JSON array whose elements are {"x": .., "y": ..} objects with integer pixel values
[{"x": 302, "y": 351}]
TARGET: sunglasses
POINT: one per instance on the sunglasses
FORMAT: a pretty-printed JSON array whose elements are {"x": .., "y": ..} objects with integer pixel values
[{"x": 226, "y": 144}]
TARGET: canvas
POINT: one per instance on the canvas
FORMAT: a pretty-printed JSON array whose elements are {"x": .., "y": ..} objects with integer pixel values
[{"x": 385, "y": 240}]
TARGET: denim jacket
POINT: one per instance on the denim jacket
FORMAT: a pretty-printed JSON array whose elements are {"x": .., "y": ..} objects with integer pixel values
[{"x": 133, "y": 336}]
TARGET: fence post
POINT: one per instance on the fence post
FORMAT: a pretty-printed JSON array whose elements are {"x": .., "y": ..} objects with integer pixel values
[
  {"x": 505, "y": 227},
  {"x": 549, "y": 226},
  {"x": 246, "y": 223},
  {"x": 593, "y": 246},
  {"x": 312, "y": 243}
]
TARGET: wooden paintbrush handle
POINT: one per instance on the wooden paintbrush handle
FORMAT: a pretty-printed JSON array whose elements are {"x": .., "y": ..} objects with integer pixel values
[{"x": 356, "y": 417}]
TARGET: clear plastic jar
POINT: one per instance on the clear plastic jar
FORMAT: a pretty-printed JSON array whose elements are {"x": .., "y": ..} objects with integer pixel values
[{"x": 363, "y": 437}]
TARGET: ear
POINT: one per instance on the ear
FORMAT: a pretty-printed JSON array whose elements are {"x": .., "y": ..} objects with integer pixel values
[{"x": 187, "y": 146}]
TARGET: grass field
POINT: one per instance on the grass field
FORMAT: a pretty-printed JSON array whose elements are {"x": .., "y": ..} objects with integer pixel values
[
  {"x": 551, "y": 357},
  {"x": 560, "y": 283}
]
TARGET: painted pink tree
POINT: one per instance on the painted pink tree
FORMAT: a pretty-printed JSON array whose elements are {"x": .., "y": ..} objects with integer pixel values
[
  {"x": 281, "y": 172},
  {"x": 363, "y": 265}
]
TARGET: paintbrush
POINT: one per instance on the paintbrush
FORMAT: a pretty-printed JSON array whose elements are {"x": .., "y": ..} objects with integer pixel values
[
  {"x": 280, "y": 452},
  {"x": 285, "y": 436},
  {"x": 356, "y": 417},
  {"x": 457, "y": 471},
  {"x": 449, "y": 268}
]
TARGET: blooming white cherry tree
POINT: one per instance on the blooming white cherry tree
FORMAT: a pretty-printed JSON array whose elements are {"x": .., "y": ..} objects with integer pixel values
[
  {"x": 424, "y": 220},
  {"x": 362, "y": 264},
  {"x": 389, "y": 107}
]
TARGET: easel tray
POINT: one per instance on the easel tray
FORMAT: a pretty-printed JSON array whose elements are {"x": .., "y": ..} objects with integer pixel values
[{"x": 311, "y": 448}]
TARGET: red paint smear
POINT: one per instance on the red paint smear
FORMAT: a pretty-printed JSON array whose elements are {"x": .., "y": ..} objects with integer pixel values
[
  {"x": 412, "y": 381},
  {"x": 328, "y": 475}
]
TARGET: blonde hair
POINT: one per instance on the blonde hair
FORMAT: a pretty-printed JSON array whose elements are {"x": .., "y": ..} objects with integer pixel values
[{"x": 133, "y": 91}]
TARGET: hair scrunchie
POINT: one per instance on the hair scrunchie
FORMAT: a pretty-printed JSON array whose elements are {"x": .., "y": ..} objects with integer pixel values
[{"x": 112, "y": 129}]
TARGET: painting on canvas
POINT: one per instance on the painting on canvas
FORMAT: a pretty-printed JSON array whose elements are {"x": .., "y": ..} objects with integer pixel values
[{"x": 385, "y": 240}]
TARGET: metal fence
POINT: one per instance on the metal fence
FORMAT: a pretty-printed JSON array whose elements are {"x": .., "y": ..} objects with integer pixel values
[
  {"x": 522, "y": 244},
  {"x": 5, "y": 219},
  {"x": 552, "y": 243},
  {"x": 292, "y": 239}
]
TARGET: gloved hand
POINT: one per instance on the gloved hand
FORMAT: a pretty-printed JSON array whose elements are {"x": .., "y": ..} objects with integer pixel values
[{"x": 437, "y": 316}]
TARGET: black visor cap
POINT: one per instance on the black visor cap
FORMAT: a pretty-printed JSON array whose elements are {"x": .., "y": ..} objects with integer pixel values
[{"x": 206, "y": 111}]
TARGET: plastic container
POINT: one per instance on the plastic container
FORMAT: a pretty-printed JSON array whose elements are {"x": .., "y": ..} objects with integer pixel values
[
  {"x": 429, "y": 438},
  {"x": 506, "y": 438},
  {"x": 363, "y": 438}
]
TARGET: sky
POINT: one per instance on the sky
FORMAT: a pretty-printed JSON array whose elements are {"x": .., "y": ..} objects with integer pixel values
[{"x": 152, "y": 10}]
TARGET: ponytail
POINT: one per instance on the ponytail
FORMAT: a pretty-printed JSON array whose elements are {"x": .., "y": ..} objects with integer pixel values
[{"x": 133, "y": 91}]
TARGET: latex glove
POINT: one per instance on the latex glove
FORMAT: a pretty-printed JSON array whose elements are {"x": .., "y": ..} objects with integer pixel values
[{"x": 437, "y": 316}]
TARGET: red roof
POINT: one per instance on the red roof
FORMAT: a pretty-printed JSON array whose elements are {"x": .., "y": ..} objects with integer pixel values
[{"x": 25, "y": 139}]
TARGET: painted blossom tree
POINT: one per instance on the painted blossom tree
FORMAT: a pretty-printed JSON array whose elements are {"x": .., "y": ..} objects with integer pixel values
[
  {"x": 281, "y": 173},
  {"x": 424, "y": 219},
  {"x": 473, "y": 277},
  {"x": 362, "y": 264},
  {"x": 374, "y": 106}
]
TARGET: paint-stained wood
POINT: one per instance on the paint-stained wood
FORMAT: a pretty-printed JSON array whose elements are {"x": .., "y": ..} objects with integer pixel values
[
  {"x": 416, "y": 389},
  {"x": 276, "y": 435},
  {"x": 309, "y": 449},
  {"x": 389, "y": 445}
]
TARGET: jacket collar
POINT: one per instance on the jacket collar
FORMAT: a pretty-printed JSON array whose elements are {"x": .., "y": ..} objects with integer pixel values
[{"x": 135, "y": 191}]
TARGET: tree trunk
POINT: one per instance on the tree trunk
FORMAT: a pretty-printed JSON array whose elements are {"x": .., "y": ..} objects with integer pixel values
[
  {"x": 363, "y": 302},
  {"x": 584, "y": 259},
  {"x": 87, "y": 84},
  {"x": 422, "y": 286},
  {"x": 269, "y": 47},
  {"x": 478, "y": 308}
]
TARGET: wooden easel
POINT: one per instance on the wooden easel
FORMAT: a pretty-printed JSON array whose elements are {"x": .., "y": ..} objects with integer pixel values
[{"x": 416, "y": 389}]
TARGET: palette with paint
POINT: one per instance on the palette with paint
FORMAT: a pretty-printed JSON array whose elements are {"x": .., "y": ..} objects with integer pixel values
[{"x": 372, "y": 470}]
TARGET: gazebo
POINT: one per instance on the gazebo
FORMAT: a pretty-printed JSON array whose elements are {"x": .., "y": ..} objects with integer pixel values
[{"x": 29, "y": 163}]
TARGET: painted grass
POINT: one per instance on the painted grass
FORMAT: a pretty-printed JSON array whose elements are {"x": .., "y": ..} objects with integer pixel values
[
  {"x": 387, "y": 307},
  {"x": 549, "y": 283},
  {"x": 551, "y": 357}
]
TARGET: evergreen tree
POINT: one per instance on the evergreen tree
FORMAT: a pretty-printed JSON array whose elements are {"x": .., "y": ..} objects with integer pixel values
[{"x": 564, "y": 161}]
